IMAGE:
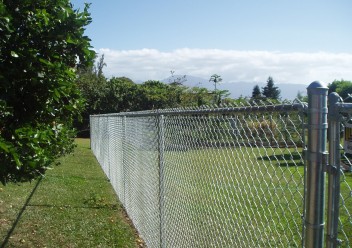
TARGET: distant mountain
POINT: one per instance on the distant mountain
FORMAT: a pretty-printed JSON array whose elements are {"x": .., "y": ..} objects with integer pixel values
[{"x": 244, "y": 89}]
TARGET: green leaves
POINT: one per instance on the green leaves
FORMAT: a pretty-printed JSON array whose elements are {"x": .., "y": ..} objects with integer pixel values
[
  {"x": 40, "y": 42},
  {"x": 14, "y": 54},
  {"x": 343, "y": 88},
  {"x": 5, "y": 147}
]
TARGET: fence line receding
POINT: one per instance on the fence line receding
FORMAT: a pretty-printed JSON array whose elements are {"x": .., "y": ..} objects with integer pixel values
[{"x": 230, "y": 176}]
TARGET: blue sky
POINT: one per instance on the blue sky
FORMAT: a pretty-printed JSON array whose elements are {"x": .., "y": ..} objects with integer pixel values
[{"x": 293, "y": 41}]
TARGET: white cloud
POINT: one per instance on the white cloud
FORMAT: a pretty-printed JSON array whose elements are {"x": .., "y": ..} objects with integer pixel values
[{"x": 232, "y": 65}]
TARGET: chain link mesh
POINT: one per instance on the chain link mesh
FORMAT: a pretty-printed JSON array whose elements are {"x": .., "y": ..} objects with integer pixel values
[
  {"x": 233, "y": 180},
  {"x": 228, "y": 177},
  {"x": 345, "y": 208}
]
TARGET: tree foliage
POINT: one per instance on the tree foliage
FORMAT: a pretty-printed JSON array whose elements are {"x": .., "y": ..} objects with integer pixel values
[
  {"x": 343, "y": 88},
  {"x": 41, "y": 42},
  {"x": 271, "y": 91},
  {"x": 256, "y": 92},
  {"x": 196, "y": 96},
  {"x": 120, "y": 94},
  {"x": 216, "y": 79},
  {"x": 218, "y": 94},
  {"x": 93, "y": 87}
]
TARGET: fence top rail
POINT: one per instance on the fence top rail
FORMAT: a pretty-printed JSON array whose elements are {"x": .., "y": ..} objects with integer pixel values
[{"x": 220, "y": 110}]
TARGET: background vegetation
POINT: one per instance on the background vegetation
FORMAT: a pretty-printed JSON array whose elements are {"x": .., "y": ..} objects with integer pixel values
[{"x": 121, "y": 94}]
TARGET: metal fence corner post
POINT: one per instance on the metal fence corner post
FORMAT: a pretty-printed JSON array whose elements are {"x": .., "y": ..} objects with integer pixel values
[
  {"x": 334, "y": 172},
  {"x": 316, "y": 165}
]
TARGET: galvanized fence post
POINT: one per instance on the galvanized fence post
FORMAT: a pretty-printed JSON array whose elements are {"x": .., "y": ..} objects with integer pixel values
[
  {"x": 109, "y": 145},
  {"x": 333, "y": 171},
  {"x": 161, "y": 138},
  {"x": 90, "y": 132},
  {"x": 316, "y": 165},
  {"x": 124, "y": 152}
]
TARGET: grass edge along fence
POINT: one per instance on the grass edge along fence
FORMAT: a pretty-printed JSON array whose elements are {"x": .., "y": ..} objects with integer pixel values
[
  {"x": 223, "y": 177},
  {"x": 73, "y": 205}
]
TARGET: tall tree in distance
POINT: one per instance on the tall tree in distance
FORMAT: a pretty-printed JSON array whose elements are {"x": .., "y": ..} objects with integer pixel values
[
  {"x": 93, "y": 86},
  {"x": 177, "y": 80},
  {"x": 256, "y": 92},
  {"x": 271, "y": 91},
  {"x": 216, "y": 79},
  {"x": 98, "y": 69}
]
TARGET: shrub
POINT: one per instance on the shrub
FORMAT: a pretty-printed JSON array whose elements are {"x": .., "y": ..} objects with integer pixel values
[{"x": 41, "y": 44}]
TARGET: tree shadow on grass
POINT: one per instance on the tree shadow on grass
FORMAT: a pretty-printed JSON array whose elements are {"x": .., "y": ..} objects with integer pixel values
[
  {"x": 284, "y": 160},
  {"x": 91, "y": 203},
  {"x": 26, "y": 204}
]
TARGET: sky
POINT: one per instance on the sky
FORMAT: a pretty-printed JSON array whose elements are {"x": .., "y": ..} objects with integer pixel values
[{"x": 295, "y": 42}]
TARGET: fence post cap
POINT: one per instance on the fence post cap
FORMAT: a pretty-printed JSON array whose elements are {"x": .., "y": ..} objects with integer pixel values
[
  {"x": 334, "y": 95},
  {"x": 316, "y": 85}
]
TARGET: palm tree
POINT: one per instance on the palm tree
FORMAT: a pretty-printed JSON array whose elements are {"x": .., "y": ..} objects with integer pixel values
[{"x": 215, "y": 78}]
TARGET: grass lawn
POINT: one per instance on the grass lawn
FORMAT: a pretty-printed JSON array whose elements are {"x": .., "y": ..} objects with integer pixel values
[
  {"x": 235, "y": 197},
  {"x": 74, "y": 205},
  {"x": 240, "y": 197}
]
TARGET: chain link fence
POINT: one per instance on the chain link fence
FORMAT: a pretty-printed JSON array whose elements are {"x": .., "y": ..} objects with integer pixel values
[
  {"x": 345, "y": 201},
  {"x": 240, "y": 176},
  {"x": 339, "y": 224},
  {"x": 208, "y": 177}
]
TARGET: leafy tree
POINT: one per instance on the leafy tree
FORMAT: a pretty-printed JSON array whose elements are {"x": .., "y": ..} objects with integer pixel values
[
  {"x": 271, "y": 91},
  {"x": 256, "y": 92},
  {"x": 220, "y": 95},
  {"x": 343, "y": 88},
  {"x": 196, "y": 96},
  {"x": 122, "y": 95},
  {"x": 157, "y": 95},
  {"x": 41, "y": 42},
  {"x": 93, "y": 86}
]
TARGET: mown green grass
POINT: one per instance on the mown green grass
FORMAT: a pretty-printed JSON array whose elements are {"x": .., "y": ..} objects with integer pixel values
[
  {"x": 238, "y": 197},
  {"x": 74, "y": 205}
]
